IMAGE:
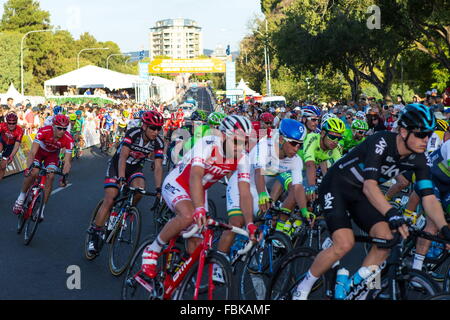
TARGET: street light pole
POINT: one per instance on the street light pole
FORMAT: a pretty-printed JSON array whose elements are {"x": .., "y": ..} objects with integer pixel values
[
  {"x": 266, "y": 62},
  {"x": 21, "y": 53},
  {"x": 87, "y": 49},
  {"x": 113, "y": 55}
]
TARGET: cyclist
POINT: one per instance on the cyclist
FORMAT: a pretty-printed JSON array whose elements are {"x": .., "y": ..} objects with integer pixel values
[
  {"x": 122, "y": 124},
  {"x": 437, "y": 138},
  {"x": 10, "y": 138},
  {"x": 321, "y": 150},
  {"x": 378, "y": 159},
  {"x": 269, "y": 159},
  {"x": 136, "y": 121},
  {"x": 107, "y": 126},
  {"x": 266, "y": 125},
  {"x": 184, "y": 189},
  {"x": 45, "y": 148},
  {"x": 49, "y": 120},
  {"x": 126, "y": 167},
  {"x": 354, "y": 136},
  {"x": 310, "y": 118}
]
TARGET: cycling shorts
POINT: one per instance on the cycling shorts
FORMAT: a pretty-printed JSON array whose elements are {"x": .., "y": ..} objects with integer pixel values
[
  {"x": 342, "y": 204},
  {"x": 7, "y": 149},
  {"x": 50, "y": 159},
  {"x": 112, "y": 174},
  {"x": 173, "y": 192},
  {"x": 233, "y": 199}
]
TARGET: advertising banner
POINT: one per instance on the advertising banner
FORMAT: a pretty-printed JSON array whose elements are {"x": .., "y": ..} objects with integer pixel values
[{"x": 212, "y": 65}]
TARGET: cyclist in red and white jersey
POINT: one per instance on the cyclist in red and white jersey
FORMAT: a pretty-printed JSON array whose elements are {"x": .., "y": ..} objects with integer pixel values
[
  {"x": 184, "y": 189},
  {"x": 10, "y": 137},
  {"x": 45, "y": 148}
]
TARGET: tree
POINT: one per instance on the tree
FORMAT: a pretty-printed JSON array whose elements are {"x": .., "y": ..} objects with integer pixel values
[
  {"x": 23, "y": 16},
  {"x": 9, "y": 60}
]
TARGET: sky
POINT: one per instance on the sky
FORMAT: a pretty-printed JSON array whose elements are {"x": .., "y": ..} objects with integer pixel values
[{"x": 128, "y": 22}]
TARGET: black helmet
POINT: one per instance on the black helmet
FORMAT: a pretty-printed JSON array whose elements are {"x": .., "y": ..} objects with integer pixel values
[{"x": 417, "y": 116}]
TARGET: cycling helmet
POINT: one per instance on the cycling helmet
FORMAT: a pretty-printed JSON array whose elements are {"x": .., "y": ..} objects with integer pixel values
[
  {"x": 61, "y": 121},
  {"x": 360, "y": 115},
  {"x": 136, "y": 115},
  {"x": 72, "y": 117},
  {"x": 195, "y": 116},
  {"x": 325, "y": 117},
  {"x": 102, "y": 110},
  {"x": 202, "y": 115},
  {"x": 11, "y": 118},
  {"x": 310, "y": 111},
  {"x": 267, "y": 117},
  {"x": 335, "y": 125},
  {"x": 153, "y": 118},
  {"x": 231, "y": 124},
  {"x": 216, "y": 118},
  {"x": 360, "y": 125},
  {"x": 126, "y": 114},
  {"x": 441, "y": 125},
  {"x": 292, "y": 130},
  {"x": 57, "y": 110},
  {"x": 417, "y": 116},
  {"x": 78, "y": 112},
  {"x": 122, "y": 125}
]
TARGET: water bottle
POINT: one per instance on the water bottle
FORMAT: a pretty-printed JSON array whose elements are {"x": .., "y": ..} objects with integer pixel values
[
  {"x": 297, "y": 225},
  {"x": 238, "y": 244},
  {"x": 287, "y": 228},
  {"x": 112, "y": 220},
  {"x": 360, "y": 275},
  {"x": 438, "y": 249},
  {"x": 280, "y": 225},
  {"x": 341, "y": 289}
]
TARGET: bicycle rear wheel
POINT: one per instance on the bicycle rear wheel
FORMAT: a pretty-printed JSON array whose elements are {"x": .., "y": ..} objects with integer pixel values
[
  {"x": 291, "y": 269},
  {"x": 223, "y": 290},
  {"x": 33, "y": 221},
  {"x": 444, "y": 296},
  {"x": 136, "y": 285},
  {"x": 416, "y": 285},
  {"x": 260, "y": 266},
  {"x": 161, "y": 216},
  {"x": 124, "y": 242}
]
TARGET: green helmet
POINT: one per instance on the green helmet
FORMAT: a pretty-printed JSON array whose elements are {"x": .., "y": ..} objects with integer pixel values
[
  {"x": 335, "y": 125},
  {"x": 360, "y": 125},
  {"x": 216, "y": 118},
  {"x": 203, "y": 116}
]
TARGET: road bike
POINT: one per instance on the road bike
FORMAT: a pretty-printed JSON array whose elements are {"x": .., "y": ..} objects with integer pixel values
[
  {"x": 121, "y": 231},
  {"x": 33, "y": 207},
  {"x": 184, "y": 279}
]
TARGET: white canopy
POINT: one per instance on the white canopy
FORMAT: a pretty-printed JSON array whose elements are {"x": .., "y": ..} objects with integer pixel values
[
  {"x": 247, "y": 91},
  {"x": 94, "y": 77}
]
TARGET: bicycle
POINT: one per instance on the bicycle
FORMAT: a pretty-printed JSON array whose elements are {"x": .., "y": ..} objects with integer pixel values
[
  {"x": 186, "y": 279},
  {"x": 397, "y": 281},
  {"x": 33, "y": 206},
  {"x": 122, "y": 229},
  {"x": 260, "y": 262}
]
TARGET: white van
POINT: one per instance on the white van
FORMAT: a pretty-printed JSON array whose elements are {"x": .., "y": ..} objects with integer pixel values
[{"x": 275, "y": 102}]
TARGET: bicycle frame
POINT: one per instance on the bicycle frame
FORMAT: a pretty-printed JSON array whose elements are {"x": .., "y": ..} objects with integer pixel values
[{"x": 40, "y": 183}]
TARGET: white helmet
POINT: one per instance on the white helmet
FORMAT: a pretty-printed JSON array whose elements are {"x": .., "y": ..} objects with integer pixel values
[
  {"x": 232, "y": 123},
  {"x": 361, "y": 115},
  {"x": 327, "y": 116}
]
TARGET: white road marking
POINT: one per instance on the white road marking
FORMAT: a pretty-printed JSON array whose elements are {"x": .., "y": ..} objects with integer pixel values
[{"x": 59, "y": 189}]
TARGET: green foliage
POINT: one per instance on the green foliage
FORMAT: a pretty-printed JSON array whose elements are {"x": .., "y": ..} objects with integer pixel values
[
  {"x": 81, "y": 100},
  {"x": 23, "y": 16},
  {"x": 9, "y": 60}
]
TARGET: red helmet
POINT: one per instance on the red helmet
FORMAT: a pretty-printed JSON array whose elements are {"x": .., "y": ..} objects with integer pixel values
[
  {"x": 11, "y": 118},
  {"x": 267, "y": 117},
  {"x": 61, "y": 121},
  {"x": 153, "y": 118},
  {"x": 102, "y": 110}
]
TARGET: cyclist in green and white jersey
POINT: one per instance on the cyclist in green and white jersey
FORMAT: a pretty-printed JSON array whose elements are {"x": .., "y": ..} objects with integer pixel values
[{"x": 354, "y": 136}]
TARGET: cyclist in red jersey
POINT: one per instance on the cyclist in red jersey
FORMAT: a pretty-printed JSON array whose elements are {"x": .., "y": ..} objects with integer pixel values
[
  {"x": 184, "y": 189},
  {"x": 10, "y": 137},
  {"x": 46, "y": 148}
]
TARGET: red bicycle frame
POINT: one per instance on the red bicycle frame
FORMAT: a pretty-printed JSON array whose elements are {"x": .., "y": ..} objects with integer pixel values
[{"x": 39, "y": 182}]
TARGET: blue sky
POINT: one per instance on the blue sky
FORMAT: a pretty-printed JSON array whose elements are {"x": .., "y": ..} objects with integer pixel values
[{"x": 128, "y": 22}]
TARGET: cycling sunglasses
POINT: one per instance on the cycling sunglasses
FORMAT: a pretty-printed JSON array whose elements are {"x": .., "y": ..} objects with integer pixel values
[
  {"x": 61, "y": 128},
  {"x": 361, "y": 131},
  {"x": 155, "y": 128},
  {"x": 11, "y": 123},
  {"x": 313, "y": 119},
  {"x": 333, "y": 137},
  {"x": 423, "y": 134},
  {"x": 294, "y": 143}
]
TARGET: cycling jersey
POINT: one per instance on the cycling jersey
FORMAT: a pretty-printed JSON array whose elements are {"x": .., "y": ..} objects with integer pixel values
[
  {"x": 47, "y": 142},
  {"x": 263, "y": 156},
  {"x": 435, "y": 141},
  {"x": 109, "y": 122},
  {"x": 199, "y": 132},
  {"x": 208, "y": 154},
  {"x": 312, "y": 151},
  {"x": 138, "y": 151},
  {"x": 440, "y": 160},
  {"x": 8, "y": 137},
  {"x": 348, "y": 142}
]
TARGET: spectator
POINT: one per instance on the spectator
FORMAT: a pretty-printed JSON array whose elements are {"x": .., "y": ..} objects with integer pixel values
[
  {"x": 349, "y": 117},
  {"x": 400, "y": 100}
]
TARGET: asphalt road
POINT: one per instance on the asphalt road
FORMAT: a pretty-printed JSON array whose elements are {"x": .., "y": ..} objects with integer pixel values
[{"x": 39, "y": 271}]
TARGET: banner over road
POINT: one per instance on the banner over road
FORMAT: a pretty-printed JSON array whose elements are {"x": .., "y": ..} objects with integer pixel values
[{"x": 212, "y": 65}]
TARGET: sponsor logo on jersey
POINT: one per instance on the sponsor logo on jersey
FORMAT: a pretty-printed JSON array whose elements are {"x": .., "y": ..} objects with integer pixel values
[
  {"x": 328, "y": 201},
  {"x": 380, "y": 146},
  {"x": 390, "y": 171},
  {"x": 390, "y": 159}
]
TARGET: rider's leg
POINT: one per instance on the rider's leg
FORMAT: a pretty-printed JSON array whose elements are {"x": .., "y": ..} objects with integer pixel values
[
  {"x": 377, "y": 255},
  {"x": 105, "y": 208},
  {"x": 3, "y": 165},
  {"x": 137, "y": 183},
  {"x": 48, "y": 186},
  {"x": 423, "y": 245}
]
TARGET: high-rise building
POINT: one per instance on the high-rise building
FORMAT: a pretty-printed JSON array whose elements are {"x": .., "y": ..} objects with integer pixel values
[{"x": 176, "y": 38}]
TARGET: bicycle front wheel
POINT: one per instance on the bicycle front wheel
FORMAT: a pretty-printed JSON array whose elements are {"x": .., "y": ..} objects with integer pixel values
[
  {"x": 290, "y": 271},
  {"x": 33, "y": 221},
  {"x": 211, "y": 287},
  {"x": 259, "y": 268},
  {"x": 416, "y": 285},
  {"x": 86, "y": 240},
  {"x": 124, "y": 242}
]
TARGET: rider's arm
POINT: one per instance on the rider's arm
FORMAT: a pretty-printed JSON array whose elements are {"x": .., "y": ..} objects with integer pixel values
[
  {"x": 67, "y": 162},
  {"x": 297, "y": 180},
  {"x": 260, "y": 181},
  {"x": 373, "y": 193},
  {"x": 311, "y": 173},
  {"x": 124, "y": 154},
  {"x": 246, "y": 201},
  {"x": 196, "y": 186},
  {"x": 32, "y": 154},
  {"x": 16, "y": 148},
  {"x": 434, "y": 211},
  {"x": 159, "y": 156}
]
